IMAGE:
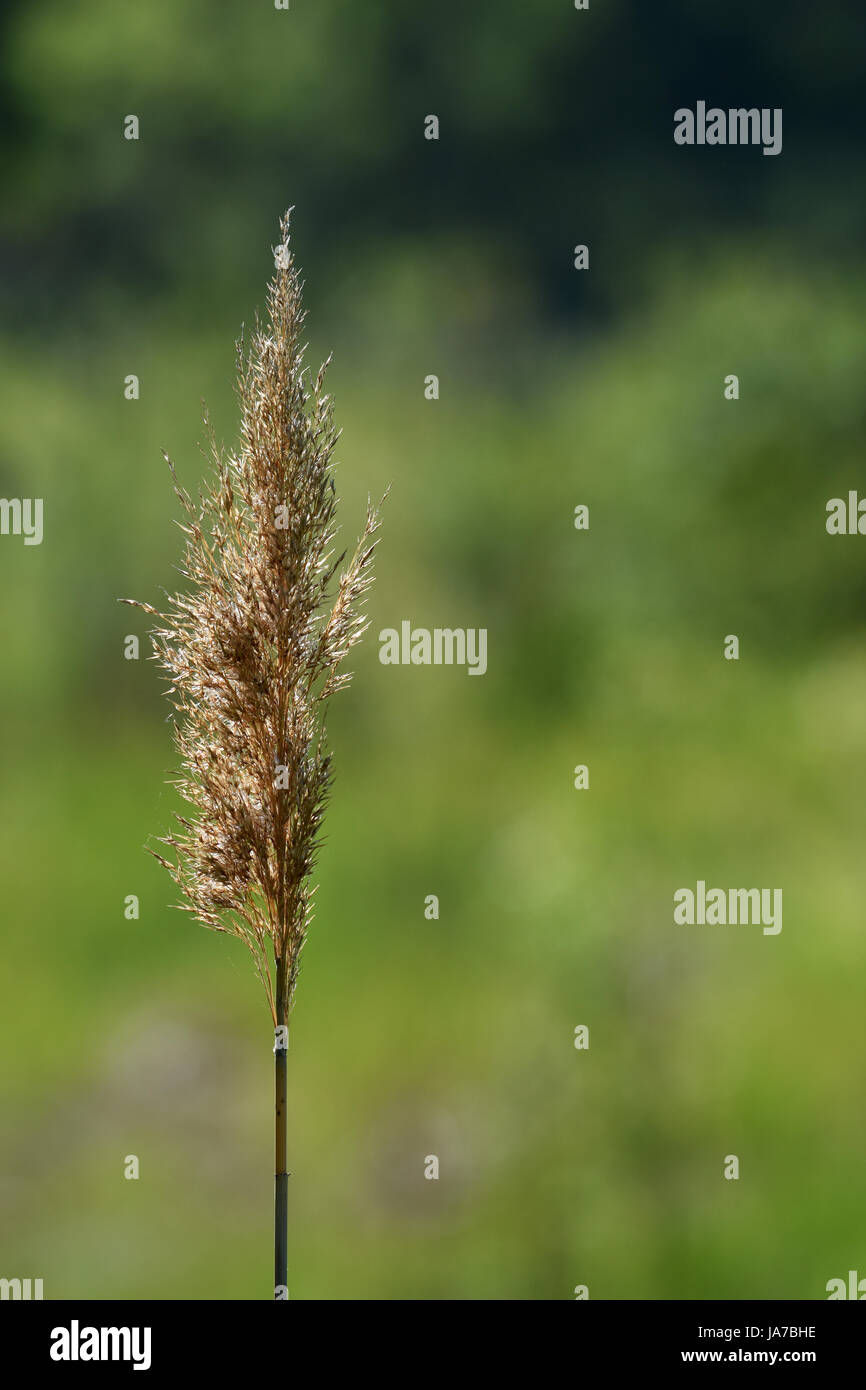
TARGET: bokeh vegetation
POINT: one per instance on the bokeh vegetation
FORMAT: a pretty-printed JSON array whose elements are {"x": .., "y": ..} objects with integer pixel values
[{"x": 453, "y": 1037}]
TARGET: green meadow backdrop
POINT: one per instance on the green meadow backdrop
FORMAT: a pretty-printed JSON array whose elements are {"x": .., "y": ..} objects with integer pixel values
[{"x": 558, "y": 387}]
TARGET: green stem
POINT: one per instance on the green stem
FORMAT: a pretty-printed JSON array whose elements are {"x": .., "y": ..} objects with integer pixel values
[{"x": 281, "y": 1177}]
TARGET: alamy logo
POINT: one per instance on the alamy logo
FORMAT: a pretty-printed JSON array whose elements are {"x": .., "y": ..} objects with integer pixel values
[
  {"x": 444, "y": 646},
  {"x": 74, "y": 1343},
  {"x": 736, "y": 126},
  {"x": 22, "y": 516},
  {"x": 732, "y": 907}
]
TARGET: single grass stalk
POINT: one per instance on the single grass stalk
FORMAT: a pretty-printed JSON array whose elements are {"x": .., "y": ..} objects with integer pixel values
[{"x": 254, "y": 650}]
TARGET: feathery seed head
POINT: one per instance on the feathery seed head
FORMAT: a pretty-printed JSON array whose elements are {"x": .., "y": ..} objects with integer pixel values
[{"x": 255, "y": 648}]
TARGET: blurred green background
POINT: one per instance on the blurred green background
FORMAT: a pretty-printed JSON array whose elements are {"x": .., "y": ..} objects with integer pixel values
[{"x": 451, "y": 1037}]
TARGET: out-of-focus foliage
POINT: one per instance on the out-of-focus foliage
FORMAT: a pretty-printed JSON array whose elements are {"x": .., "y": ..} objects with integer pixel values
[{"x": 454, "y": 1036}]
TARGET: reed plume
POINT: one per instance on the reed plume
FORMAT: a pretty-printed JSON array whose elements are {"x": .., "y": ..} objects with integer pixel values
[{"x": 254, "y": 650}]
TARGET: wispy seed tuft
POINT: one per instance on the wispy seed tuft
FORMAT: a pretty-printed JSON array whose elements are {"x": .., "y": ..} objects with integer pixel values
[{"x": 255, "y": 647}]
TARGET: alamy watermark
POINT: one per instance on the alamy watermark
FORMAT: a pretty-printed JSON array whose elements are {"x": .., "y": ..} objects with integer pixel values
[
  {"x": 737, "y": 126},
  {"x": 855, "y": 1287},
  {"x": 443, "y": 646},
  {"x": 21, "y": 1289},
  {"x": 846, "y": 516},
  {"x": 721, "y": 907},
  {"x": 22, "y": 516}
]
